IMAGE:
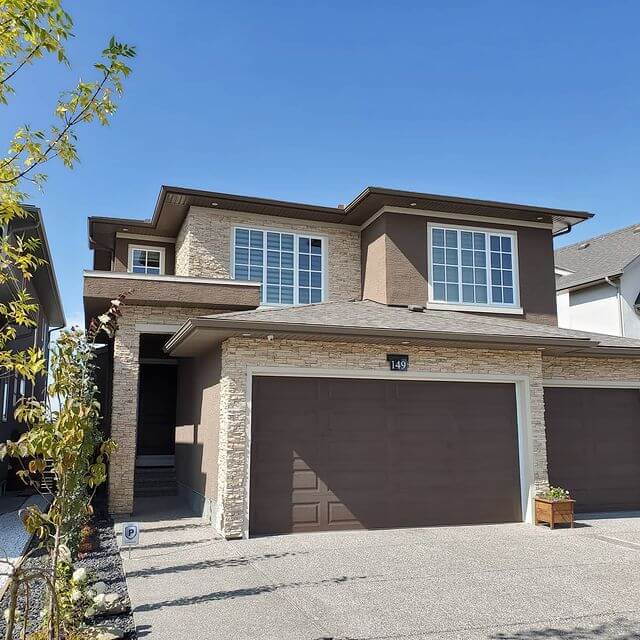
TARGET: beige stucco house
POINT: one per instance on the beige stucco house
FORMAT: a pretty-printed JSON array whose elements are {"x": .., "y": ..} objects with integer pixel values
[{"x": 394, "y": 362}]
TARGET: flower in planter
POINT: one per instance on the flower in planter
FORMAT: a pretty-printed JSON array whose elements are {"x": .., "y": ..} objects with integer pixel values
[
  {"x": 555, "y": 494},
  {"x": 76, "y": 595}
]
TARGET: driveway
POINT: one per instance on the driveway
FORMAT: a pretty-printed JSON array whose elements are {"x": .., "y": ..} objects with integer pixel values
[{"x": 499, "y": 582}]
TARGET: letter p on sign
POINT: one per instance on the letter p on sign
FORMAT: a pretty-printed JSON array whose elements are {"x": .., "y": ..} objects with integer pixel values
[{"x": 130, "y": 534}]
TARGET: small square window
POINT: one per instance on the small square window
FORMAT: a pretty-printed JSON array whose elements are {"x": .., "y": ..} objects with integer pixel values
[{"x": 146, "y": 260}]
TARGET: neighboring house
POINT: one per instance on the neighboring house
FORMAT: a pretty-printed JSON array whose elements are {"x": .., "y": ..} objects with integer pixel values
[
  {"x": 598, "y": 283},
  {"x": 43, "y": 288},
  {"x": 425, "y": 383}
]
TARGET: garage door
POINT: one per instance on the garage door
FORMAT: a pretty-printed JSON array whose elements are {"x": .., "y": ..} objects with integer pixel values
[
  {"x": 593, "y": 446},
  {"x": 332, "y": 453}
]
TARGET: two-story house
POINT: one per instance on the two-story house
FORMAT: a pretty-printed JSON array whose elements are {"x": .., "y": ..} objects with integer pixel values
[
  {"x": 393, "y": 362},
  {"x": 43, "y": 289},
  {"x": 598, "y": 283}
]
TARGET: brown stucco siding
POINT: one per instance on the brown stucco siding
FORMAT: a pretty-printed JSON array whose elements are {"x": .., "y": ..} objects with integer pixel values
[
  {"x": 121, "y": 253},
  {"x": 374, "y": 262},
  {"x": 204, "y": 247},
  {"x": 197, "y": 423},
  {"x": 153, "y": 291},
  {"x": 238, "y": 354},
  {"x": 399, "y": 274}
]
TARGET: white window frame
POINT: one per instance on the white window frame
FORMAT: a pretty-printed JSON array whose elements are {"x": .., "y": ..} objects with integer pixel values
[
  {"x": 489, "y": 306},
  {"x": 4, "y": 386},
  {"x": 296, "y": 268},
  {"x": 144, "y": 247}
]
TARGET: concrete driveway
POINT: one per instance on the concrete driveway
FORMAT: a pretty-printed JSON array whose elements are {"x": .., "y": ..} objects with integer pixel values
[{"x": 515, "y": 582}]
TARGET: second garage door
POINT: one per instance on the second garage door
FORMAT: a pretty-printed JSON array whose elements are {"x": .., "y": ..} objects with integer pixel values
[
  {"x": 331, "y": 453},
  {"x": 593, "y": 446}
]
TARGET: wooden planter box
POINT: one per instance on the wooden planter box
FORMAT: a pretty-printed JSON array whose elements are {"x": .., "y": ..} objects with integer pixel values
[{"x": 554, "y": 512}]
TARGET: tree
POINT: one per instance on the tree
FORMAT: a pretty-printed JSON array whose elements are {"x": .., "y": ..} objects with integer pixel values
[
  {"x": 64, "y": 439},
  {"x": 29, "y": 31}
]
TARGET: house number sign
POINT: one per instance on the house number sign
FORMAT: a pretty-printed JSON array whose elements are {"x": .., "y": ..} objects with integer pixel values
[{"x": 398, "y": 362}]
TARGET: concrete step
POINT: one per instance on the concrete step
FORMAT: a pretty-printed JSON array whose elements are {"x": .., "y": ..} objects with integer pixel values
[{"x": 155, "y": 481}]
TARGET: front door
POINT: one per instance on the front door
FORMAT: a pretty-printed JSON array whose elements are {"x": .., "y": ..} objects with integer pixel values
[{"x": 157, "y": 414}]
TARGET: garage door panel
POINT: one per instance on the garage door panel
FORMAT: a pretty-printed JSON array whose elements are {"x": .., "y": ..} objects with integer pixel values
[
  {"x": 382, "y": 453},
  {"x": 593, "y": 446}
]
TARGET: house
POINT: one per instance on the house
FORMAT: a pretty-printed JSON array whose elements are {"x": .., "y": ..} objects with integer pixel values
[
  {"x": 43, "y": 288},
  {"x": 598, "y": 283},
  {"x": 393, "y": 362}
]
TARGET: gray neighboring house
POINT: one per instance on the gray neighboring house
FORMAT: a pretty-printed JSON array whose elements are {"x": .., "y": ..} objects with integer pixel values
[
  {"x": 44, "y": 289},
  {"x": 598, "y": 283},
  {"x": 389, "y": 363}
]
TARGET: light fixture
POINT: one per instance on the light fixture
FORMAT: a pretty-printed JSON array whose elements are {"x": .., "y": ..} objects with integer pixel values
[
  {"x": 125, "y": 228},
  {"x": 214, "y": 204},
  {"x": 405, "y": 342},
  {"x": 246, "y": 335},
  {"x": 413, "y": 204}
]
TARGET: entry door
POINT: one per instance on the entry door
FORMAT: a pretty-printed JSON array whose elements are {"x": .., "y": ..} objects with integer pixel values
[
  {"x": 593, "y": 446},
  {"x": 157, "y": 410},
  {"x": 332, "y": 453}
]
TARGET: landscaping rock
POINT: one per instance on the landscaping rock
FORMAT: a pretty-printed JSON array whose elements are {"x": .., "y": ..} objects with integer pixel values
[{"x": 106, "y": 632}]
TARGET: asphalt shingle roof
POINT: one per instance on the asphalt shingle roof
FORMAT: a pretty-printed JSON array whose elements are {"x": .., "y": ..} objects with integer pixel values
[
  {"x": 366, "y": 314},
  {"x": 598, "y": 257}
]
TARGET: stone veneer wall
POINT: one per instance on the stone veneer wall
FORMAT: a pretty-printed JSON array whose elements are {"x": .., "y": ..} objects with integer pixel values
[
  {"x": 239, "y": 353},
  {"x": 203, "y": 247},
  {"x": 583, "y": 368},
  {"x": 124, "y": 412},
  {"x": 183, "y": 245}
]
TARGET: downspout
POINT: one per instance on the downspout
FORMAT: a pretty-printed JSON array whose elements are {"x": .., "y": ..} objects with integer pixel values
[
  {"x": 610, "y": 282},
  {"x": 567, "y": 230}
]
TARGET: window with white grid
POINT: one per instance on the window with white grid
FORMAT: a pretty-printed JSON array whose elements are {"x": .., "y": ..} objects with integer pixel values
[
  {"x": 290, "y": 266},
  {"x": 472, "y": 267}
]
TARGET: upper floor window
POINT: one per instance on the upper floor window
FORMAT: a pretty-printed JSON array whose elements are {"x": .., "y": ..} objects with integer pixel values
[
  {"x": 290, "y": 266},
  {"x": 148, "y": 260},
  {"x": 473, "y": 267}
]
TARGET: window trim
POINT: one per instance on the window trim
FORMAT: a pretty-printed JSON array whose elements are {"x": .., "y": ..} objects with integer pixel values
[
  {"x": 296, "y": 235},
  {"x": 487, "y": 307},
  {"x": 145, "y": 247}
]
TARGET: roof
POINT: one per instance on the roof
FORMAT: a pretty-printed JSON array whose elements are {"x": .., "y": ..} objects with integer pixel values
[
  {"x": 598, "y": 258},
  {"x": 368, "y": 319},
  {"x": 44, "y": 279},
  {"x": 173, "y": 204}
]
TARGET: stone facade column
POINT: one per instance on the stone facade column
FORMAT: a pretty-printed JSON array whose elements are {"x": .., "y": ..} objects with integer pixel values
[{"x": 124, "y": 417}]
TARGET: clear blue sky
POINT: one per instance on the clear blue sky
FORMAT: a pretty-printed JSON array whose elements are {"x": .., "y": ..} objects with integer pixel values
[{"x": 534, "y": 102}]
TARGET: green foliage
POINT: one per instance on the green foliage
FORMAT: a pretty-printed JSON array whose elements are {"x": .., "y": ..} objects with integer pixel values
[
  {"x": 556, "y": 494},
  {"x": 65, "y": 438}
]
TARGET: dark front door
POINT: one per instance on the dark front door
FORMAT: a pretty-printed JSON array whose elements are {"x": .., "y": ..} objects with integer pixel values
[
  {"x": 157, "y": 410},
  {"x": 593, "y": 446},
  {"x": 342, "y": 454}
]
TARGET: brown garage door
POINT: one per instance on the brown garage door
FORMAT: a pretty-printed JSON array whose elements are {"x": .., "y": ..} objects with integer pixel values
[
  {"x": 593, "y": 446},
  {"x": 343, "y": 454}
]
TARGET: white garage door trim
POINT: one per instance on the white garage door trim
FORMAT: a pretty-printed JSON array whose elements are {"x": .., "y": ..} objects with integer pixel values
[
  {"x": 594, "y": 384},
  {"x": 523, "y": 412}
]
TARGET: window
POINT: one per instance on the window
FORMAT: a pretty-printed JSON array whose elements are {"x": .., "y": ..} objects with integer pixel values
[
  {"x": 472, "y": 267},
  {"x": 4, "y": 387},
  {"x": 289, "y": 266},
  {"x": 149, "y": 260}
]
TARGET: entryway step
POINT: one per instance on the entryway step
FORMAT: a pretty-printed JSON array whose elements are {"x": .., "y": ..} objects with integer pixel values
[{"x": 155, "y": 481}]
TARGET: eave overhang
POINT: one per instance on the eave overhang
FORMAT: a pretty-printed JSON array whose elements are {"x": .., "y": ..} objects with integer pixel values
[
  {"x": 199, "y": 334},
  {"x": 173, "y": 203}
]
